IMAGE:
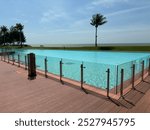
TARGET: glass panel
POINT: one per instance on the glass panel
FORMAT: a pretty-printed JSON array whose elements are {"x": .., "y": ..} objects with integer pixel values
[
  {"x": 53, "y": 65},
  {"x": 127, "y": 78},
  {"x": 95, "y": 74},
  {"x": 22, "y": 58},
  {"x": 16, "y": 56},
  {"x": 71, "y": 69},
  {"x": 128, "y": 71},
  {"x": 146, "y": 64},
  {"x": 40, "y": 62}
]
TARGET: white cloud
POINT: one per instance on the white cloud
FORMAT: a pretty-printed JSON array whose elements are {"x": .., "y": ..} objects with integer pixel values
[
  {"x": 51, "y": 15},
  {"x": 107, "y": 2},
  {"x": 20, "y": 20},
  {"x": 125, "y": 37},
  {"x": 92, "y": 6},
  {"x": 127, "y": 10},
  {"x": 80, "y": 24},
  {"x": 128, "y": 28}
]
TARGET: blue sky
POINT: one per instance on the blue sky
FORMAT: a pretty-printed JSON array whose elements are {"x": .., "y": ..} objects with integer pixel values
[{"x": 68, "y": 21}]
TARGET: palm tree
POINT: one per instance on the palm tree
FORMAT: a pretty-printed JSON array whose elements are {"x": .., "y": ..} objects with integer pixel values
[
  {"x": 0, "y": 37},
  {"x": 96, "y": 21},
  {"x": 13, "y": 34},
  {"x": 4, "y": 31},
  {"x": 19, "y": 27}
]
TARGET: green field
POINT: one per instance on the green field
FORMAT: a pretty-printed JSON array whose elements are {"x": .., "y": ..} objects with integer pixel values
[{"x": 106, "y": 48}]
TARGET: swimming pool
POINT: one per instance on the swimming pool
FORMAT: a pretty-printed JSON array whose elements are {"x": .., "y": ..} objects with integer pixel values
[
  {"x": 96, "y": 64},
  {"x": 113, "y": 58}
]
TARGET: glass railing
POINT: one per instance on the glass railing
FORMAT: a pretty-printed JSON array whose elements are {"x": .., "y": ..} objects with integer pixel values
[
  {"x": 141, "y": 68},
  {"x": 94, "y": 74},
  {"x": 71, "y": 69},
  {"x": 127, "y": 67}
]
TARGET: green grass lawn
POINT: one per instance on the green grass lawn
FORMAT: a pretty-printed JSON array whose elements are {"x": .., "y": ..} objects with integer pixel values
[{"x": 106, "y": 48}]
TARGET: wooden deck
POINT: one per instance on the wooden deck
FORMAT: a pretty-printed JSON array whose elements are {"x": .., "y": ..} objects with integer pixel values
[{"x": 18, "y": 94}]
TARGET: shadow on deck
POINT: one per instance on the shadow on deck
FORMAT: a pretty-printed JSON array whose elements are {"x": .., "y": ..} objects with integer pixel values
[{"x": 135, "y": 95}]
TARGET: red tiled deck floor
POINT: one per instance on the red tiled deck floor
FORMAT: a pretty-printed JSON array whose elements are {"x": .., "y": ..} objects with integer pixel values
[{"x": 18, "y": 94}]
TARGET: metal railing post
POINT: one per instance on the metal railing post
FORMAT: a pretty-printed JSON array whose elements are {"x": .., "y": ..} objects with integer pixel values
[
  {"x": 8, "y": 58},
  {"x": 133, "y": 75},
  {"x": 82, "y": 77},
  {"x": 25, "y": 62},
  {"x": 116, "y": 89},
  {"x": 61, "y": 74},
  {"x": 4, "y": 58},
  {"x": 13, "y": 59},
  {"x": 31, "y": 66},
  {"x": 45, "y": 63},
  {"x": 108, "y": 81},
  {"x": 149, "y": 66},
  {"x": 82, "y": 80},
  {"x": 122, "y": 78},
  {"x": 18, "y": 60},
  {"x": 143, "y": 70}
]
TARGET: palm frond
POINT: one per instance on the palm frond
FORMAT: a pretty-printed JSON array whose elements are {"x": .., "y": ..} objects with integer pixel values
[{"x": 98, "y": 19}]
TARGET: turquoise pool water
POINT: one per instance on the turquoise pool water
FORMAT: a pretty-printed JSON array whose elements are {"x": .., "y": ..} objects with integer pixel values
[
  {"x": 113, "y": 58},
  {"x": 96, "y": 64}
]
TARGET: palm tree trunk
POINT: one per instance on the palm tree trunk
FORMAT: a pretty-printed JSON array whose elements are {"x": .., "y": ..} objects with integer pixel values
[
  {"x": 95, "y": 36},
  {"x": 4, "y": 40},
  {"x": 20, "y": 39}
]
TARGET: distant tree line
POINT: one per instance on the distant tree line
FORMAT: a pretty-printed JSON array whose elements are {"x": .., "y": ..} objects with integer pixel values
[
  {"x": 12, "y": 36},
  {"x": 15, "y": 36}
]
